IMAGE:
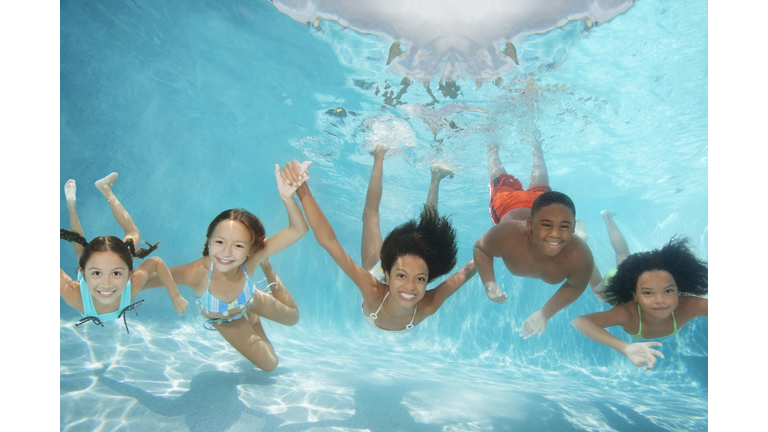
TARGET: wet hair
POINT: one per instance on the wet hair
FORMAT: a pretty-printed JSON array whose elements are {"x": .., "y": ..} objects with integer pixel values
[
  {"x": 690, "y": 273},
  {"x": 549, "y": 198},
  {"x": 432, "y": 239},
  {"x": 251, "y": 222},
  {"x": 125, "y": 249}
]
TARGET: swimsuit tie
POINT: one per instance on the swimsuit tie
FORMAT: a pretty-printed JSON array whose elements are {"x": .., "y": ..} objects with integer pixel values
[
  {"x": 132, "y": 307},
  {"x": 90, "y": 318}
]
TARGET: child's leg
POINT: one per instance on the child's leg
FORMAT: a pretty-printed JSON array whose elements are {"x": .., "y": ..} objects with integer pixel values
[
  {"x": 539, "y": 174},
  {"x": 495, "y": 168},
  {"x": 597, "y": 284},
  {"x": 618, "y": 242},
  {"x": 439, "y": 171},
  {"x": 371, "y": 241},
  {"x": 249, "y": 339},
  {"x": 121, "y": 215},
  {"x": 279, "y": 307},
  {"x": 580, "y": 230},
  {"x": 74, "y": 222}
]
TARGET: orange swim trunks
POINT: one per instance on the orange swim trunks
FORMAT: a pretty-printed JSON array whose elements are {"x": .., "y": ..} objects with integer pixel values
[{"x": 507, "y": 194}]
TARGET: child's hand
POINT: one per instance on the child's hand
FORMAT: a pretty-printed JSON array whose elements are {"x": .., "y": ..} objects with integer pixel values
[
  {"x": 494, "y": 293},
  {"x": 535, "y": 324},
  {"x": 293, "y": 175},
  {"x": 295, "y": 172},
  {"x": 640, "y": 353},
  {"x": 180, "y": 304}
]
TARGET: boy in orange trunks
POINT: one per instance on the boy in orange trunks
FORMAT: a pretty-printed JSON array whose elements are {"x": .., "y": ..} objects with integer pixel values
[{"x": 534, "y": 236}]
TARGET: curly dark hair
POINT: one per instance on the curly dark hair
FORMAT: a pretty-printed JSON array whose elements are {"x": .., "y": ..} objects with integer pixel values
[
  {"x": 432, "y": 239},
  {"x": 251, "y": 222},
  {"x": 125, "y": 249},
  {"x": 691, "y": 274},
  {"x": 549, "y": 198}
]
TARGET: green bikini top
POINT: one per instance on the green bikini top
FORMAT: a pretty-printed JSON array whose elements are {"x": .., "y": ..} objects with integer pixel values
[{"x": 638, "y": 336}]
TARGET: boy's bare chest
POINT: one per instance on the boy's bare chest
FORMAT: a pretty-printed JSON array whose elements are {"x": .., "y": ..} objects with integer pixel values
[{"x": 551, "y": 272}]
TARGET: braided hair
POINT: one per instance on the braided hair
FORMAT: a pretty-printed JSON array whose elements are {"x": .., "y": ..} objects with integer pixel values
[{"x": 125, "y": 249}]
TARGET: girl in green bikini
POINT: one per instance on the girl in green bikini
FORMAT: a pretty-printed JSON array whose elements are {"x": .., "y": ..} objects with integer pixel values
[{"x": 653, "y": 294}]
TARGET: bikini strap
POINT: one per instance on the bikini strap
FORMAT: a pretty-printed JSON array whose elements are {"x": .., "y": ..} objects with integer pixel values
[
  {"x": 410, "y": 326},
  {"x": 674, "y": 321},
  {"x": 210, "y": 275},
  {"x": 248, "y": 281},
  {"x": 376, "y": 314}
]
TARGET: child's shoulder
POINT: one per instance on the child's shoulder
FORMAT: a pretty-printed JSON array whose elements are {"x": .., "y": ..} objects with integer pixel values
[
  {"x": 689, "y": 307},
  {"x": 582, "y": 254},
  {"x": 625, "y": 315},
  {"x": 71, "y": 295},
  {"x": 193, "y": 273}
]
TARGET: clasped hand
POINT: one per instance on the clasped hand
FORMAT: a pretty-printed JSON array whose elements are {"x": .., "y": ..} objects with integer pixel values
[{"x": 291, "y": 177}]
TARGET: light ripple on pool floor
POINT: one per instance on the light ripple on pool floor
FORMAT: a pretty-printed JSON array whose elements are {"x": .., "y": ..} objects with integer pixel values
[{"x": 187, "y": 378}]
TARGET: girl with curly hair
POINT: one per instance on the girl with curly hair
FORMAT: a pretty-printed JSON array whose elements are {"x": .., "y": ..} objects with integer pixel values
[
  {"x": 395, "y": 271},
  {"x": 653, "y": 294}
]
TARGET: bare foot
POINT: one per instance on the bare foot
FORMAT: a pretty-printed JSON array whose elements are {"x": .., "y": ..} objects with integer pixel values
[
  {"x": 441, "y": 170},
  {"x": 379, "y": 150},
  {"x": 581, "y": 229},
  {"x": 106, "y": 183},
  {"x": 69, "y": 191},
  {"x": 607, "y": 214}
]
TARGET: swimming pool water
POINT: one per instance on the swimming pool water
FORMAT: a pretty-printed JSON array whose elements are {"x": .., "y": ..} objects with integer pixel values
[{"x": 194, "y": 103}]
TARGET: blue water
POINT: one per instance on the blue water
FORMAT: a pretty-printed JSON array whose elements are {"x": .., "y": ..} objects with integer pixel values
[{"x": 193, "y": 103}]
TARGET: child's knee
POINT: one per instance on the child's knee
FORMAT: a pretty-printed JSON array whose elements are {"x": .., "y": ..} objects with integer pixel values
[{"x": 268, "y": 365}]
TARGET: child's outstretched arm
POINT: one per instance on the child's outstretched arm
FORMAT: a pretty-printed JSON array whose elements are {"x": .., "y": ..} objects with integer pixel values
[
  {"x": 297, "y": 225},
  {"x": 437, "y": 296},
  {"x": 690, "y": 307},
  {"x": 280, "y": 307},
  {"x": 568, "y": 292},
  {"x": 485, "y": 249},
  {"x": 70, "y": 291},
  {"x": 326, "y": 237},
  {"x": 155, "y": 265},
  {"x": 593, "y": 326}
]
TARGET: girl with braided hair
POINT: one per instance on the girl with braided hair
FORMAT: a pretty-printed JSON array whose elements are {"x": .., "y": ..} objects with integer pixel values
[
  {"x": 107, "y": 284},
  {"x": 653, "y": 294}
]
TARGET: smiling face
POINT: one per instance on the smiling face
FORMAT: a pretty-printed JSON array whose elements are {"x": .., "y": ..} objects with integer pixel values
[
  {"x": 229, "y": 245},
  {"x": 656, "y": 293},
  {"x": 408, "y": 280},
  {"x": 106, "y": 275},
  {"x": 552, "y": 228}
]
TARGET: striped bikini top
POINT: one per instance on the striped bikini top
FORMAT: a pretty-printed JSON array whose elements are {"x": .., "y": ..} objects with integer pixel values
[{"x": 209, "y": 303}]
